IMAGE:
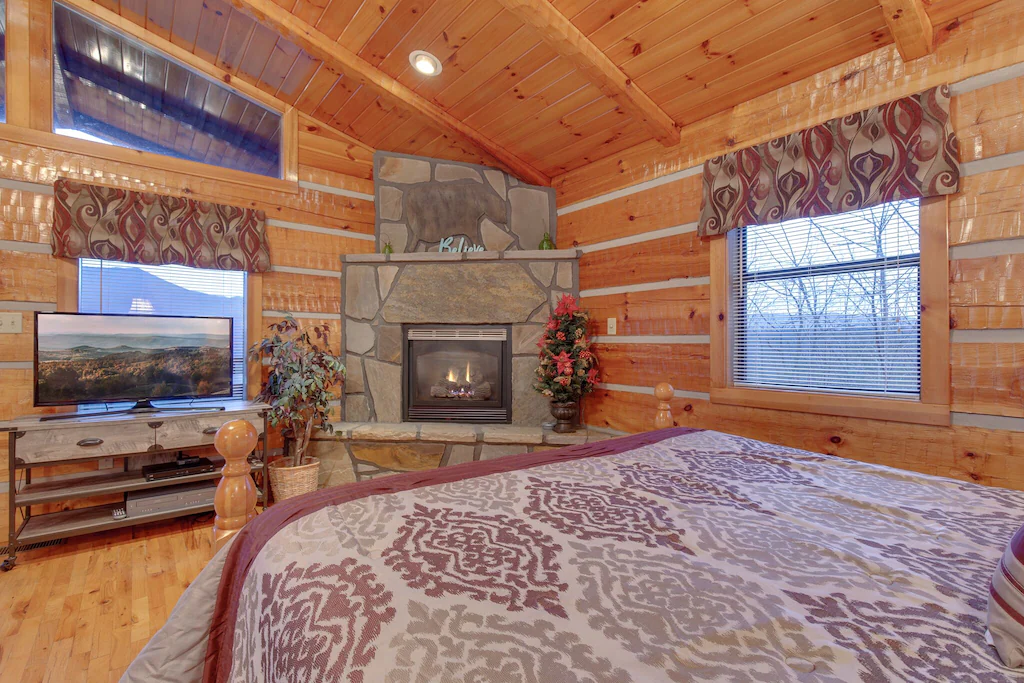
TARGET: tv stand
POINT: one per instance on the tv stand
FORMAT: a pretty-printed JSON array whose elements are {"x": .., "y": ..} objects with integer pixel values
[
  {"x": 126, "y": 438},
  {"x": 143, "y": 407}
]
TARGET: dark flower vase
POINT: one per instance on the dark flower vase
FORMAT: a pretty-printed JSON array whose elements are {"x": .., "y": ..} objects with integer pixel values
[{"x": 564, "y": 414}]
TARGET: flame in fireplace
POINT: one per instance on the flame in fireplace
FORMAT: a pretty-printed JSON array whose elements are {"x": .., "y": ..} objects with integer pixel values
[{"x": 453, "y": 374}]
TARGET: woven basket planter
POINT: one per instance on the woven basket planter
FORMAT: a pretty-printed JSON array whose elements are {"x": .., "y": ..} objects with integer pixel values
[{"x": 289, "y": 481}]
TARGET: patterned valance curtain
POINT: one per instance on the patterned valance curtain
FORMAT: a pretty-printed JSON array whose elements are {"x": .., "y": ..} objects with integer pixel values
[
  {"x": 94, "y": 221},
  {"x": 900, "y": 150}
]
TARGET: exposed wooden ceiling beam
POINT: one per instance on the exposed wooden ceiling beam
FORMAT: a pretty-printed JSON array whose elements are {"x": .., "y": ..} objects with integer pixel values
[
  {"x": 561, "y": 34},
  {"x": 359, "y": 70},
  {"x": 910, "y": 26}
]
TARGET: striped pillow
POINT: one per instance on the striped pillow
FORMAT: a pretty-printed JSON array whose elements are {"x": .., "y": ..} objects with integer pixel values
[{"x": 1006, "y": 603}]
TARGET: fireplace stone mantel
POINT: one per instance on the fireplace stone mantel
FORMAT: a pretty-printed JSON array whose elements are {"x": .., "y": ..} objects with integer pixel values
[
  {"x": 381, "y": 292},
  {"x": 433, "y": 256}
]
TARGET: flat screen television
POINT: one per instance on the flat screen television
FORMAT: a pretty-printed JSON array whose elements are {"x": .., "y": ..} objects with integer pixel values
[{"x": 87, "y": 358}]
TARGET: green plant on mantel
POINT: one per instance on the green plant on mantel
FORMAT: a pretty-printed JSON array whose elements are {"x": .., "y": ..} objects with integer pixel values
[
  {"x": 387, "y": 248},
  {"x": 300, "y": 372}
]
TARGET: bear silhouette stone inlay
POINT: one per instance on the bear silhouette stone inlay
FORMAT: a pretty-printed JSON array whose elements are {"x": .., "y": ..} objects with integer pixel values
[{"x": 435, "y": 212}]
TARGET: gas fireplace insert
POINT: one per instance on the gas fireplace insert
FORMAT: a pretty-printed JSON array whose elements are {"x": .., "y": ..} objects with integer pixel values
[{"x": 457, "y": 373}]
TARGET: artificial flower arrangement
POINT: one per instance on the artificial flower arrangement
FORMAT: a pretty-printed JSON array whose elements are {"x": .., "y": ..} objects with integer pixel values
[{"x": 568, "y": 368}]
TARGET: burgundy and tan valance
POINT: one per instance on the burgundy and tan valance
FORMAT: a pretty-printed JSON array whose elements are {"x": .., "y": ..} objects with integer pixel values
[
  {"x": 900, "y": 150},
  {"x": 94, "y": 221}
]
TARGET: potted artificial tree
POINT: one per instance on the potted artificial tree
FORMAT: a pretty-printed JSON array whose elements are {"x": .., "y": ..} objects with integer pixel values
[
  {"x": 568, "y": 368},
  {"x": 300, "y": 373}
]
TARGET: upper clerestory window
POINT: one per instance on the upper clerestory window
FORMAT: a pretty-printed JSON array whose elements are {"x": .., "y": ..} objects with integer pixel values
[{"x": 110, "y": 88}]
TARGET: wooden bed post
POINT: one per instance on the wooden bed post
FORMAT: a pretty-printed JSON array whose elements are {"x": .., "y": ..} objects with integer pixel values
[
  {"x": 664, "y": 392},
  {"x": 235, "y": 500}
]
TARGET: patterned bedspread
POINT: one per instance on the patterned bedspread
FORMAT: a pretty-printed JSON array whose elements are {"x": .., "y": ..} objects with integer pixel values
[{"x": 671, "y": 556}]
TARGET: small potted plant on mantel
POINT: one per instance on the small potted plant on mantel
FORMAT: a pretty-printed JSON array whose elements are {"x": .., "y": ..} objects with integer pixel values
[
  {"x": 300, "y": 373},
  {"x": 568, "y": 368}
]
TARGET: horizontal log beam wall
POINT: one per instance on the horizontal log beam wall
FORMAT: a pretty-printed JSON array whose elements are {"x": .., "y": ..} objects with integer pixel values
[
  {"x": 331, "y": 215},
  {"x": 645, "y": 266}
]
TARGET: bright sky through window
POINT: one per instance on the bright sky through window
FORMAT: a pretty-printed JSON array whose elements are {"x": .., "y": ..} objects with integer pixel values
[{"x": 81, "y": 135}]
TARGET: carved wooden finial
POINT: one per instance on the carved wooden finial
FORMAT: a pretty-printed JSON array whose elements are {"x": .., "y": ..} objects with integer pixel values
[
  {"x": 235, "y": 500},
  {"x": 664, "y": 392}
]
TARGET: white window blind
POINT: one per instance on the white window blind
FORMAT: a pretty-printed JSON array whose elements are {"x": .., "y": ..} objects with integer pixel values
[
  {"x": 115, "y": 287},
  {"x": 829, "y": 304}
]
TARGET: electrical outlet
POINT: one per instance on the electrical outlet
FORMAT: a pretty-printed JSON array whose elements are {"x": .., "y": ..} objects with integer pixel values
[
  {"x": 612, "y": 324},
  {"x": 10, "y": 323},
  {"x": 105, "y": 464}
]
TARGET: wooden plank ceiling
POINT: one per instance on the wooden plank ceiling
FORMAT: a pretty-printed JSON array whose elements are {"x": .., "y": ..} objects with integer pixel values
[{"x": 691, "y": 58}]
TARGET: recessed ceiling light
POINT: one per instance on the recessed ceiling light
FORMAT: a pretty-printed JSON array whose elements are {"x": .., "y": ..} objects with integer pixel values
[{"x": 424, "y": 62}]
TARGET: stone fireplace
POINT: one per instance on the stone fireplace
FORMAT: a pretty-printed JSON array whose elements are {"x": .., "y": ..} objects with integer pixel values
[
  {"x": 440, "y": 337},
  {"x": 395, "y": 303},
  {"x": 457, "y": 373}
]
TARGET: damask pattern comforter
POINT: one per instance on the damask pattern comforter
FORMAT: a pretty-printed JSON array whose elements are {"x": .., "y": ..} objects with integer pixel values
[{"x": 679, "y": 555}]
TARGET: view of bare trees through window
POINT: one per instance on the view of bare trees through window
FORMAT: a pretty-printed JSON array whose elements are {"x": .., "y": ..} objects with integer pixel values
[{"x": 830, "y": 304}]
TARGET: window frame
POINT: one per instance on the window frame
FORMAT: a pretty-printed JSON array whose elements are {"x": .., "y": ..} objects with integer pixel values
[
  {"x": 182, "y": 175},
  {"x": 933, "y": 405}
]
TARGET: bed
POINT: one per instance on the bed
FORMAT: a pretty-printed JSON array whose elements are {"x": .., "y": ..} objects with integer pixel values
[{"x": 673, "y": 555}]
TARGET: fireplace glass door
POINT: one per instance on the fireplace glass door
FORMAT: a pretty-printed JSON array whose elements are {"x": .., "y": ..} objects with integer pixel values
[{"x": 457, "y": 373}]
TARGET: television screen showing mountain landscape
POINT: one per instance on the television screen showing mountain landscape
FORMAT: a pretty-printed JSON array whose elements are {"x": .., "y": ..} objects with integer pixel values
[{"x": 106, "y": 358}]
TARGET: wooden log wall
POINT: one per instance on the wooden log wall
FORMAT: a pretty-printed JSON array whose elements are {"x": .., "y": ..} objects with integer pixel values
[
  {"x": 635, "y": 214},
  {"x": 327, "y": 212}
]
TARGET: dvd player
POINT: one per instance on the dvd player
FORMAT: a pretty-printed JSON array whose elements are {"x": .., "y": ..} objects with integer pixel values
[
  {"x": 169, "y": 498},
  {"x": 178, "y": 468}
]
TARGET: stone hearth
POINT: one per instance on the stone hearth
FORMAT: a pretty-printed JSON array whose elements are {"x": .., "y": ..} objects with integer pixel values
[
  {"x": 364, "y": 450},
  {"x": 381, "y": 292}
]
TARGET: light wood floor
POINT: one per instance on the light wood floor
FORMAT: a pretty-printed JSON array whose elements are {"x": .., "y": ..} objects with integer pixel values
[{"x": 81, "y": 611}]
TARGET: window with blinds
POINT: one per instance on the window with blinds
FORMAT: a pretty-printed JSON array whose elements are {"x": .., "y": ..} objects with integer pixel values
[
  {"x": 128, "y": 288},
  {"x": 829, "y": 305}
]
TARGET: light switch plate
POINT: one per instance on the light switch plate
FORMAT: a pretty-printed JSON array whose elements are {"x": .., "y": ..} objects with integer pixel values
[
  {"x": 105, "y": 464},
  {"x": 612, "y": 324},
  {"x": 10, "y": 323}
]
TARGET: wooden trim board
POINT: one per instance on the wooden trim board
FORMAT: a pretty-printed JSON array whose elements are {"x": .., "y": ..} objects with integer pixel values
[
  {"x": 290, "y": 145},
  {"x": 63, "y": 143},
  {"x": 892, "y": 410},
  {"x": 67, "y": 285},
  {"x": 721, "y": 368},
  {"x": 253, "y": 329},
  {"x": 935, "y": 373}
]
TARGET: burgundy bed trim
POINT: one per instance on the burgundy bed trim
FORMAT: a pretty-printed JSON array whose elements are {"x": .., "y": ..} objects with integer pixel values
[{"x": 251, "y": 539}]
